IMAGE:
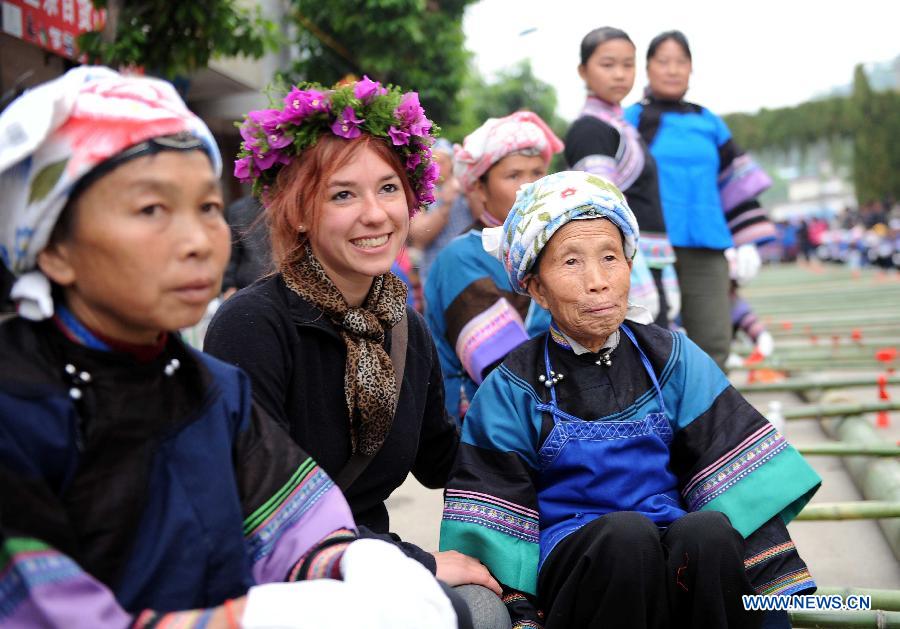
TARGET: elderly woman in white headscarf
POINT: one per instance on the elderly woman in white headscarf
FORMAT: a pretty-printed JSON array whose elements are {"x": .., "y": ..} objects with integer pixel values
[
  {"x": 608, "y": 473},
  {"x": 474, "y": 314},
  {"x": 139, "y": 485}
]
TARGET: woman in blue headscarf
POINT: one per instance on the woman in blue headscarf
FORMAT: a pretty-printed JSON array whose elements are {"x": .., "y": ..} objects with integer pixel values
[{"x": 608, "y": 472}]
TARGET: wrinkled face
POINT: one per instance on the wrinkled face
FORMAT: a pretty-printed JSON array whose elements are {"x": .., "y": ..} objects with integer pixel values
[
  {"x": 146, "y": 249},
  {"x": 609, "y": 71},
  {"x": 583, "y": 280},
  {"x": 362, "y": 225},
  {"x": 669, "y": 70},
  {"x": 498, "y": 192}
]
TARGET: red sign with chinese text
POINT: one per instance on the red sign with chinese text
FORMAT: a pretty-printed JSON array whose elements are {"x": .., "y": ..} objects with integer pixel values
[{"x": 51, "y": 24}]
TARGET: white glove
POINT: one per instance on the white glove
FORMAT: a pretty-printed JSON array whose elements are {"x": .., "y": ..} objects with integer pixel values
[
  {"x": 382, "y": 589},
  {"x": 765, "y": 344},
  {"x": 734, "y": 361},
  {"x": 746, "y": 263}
]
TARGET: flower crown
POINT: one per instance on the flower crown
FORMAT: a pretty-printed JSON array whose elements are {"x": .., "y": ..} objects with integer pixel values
[{"x": 272, "y": 137}]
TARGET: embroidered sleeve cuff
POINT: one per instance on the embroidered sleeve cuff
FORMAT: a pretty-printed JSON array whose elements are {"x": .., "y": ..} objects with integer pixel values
[{"x": 324, "y": 560}]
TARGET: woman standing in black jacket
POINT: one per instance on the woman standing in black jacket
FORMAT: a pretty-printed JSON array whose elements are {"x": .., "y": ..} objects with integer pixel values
[
  {"x": 601, "y": 142},
  {"x": 340, "y": 172}
]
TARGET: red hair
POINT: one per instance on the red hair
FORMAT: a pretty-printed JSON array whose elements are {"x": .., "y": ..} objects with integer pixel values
[{"x": 298, "y": 193}]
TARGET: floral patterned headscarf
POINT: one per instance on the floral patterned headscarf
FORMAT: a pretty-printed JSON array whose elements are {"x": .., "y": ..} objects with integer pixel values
[
  {"x": 543, "y": 207},
  {"x": 497, "y": 138},
  {"x": 57, "y": 133}
]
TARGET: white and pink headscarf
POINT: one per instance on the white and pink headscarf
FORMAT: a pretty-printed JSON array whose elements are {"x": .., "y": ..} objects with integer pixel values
[
  {"x": 497, "y": 138},
  {"x": 54, "y": 135}
]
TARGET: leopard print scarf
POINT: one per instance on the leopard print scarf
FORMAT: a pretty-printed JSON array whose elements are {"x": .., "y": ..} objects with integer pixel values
[{"x": 370, "y": 386}]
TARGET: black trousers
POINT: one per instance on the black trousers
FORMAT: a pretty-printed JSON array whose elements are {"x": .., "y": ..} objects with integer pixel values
[
  {"x": 621, "y": 571},
  {"x": 662, "y": 319}
]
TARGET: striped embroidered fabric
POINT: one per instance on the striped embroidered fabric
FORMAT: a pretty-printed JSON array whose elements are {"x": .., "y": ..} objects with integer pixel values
[
  {"x": 742, "y": 180},
  {"x": 492, "y": 513},
  {"x": 512, "y": 597},
  {"x": 767, "y": 554},
  {"x": 265, "y": 525},
  {"x": 481, "y": 330},
  {"x": 557, "y": 336},
  {"x": 191, "y": 619},
  {"x": 629, "y": 154},
  {"x": 749, "y": 455},
  {"x": 788, "y": 584},
  {"x": 327, "y": 562},
  {"x": 527, "y": 624},
  {"x": 27, "y": 564}
]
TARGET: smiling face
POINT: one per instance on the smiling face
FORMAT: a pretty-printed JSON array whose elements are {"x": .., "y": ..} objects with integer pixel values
[
  {"x": 146, "y": 247},
  {"x": 496, "y": 191},
  {"x": 609, "y": 71},
  {"x": 362, "y": 224},
  {"x": 583, "y": 278},
  {"x": 669, "y": 71}
]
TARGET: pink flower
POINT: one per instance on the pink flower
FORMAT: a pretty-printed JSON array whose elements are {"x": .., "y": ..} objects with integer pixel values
[
  {"x": 411, "y": 113},
  {"x": 431, "y": 174},
  {"x": 413, "y": 161},
  {"x": 245, "y": 170},
  {"x": 365, "y": 89},
  {"x": 426, "y": 197},
  {"x": 265, "y": 159},
  {"x": 278, "y": 139},
  {"x": 398, "y": 136},
  {"x": 266, "y": 119},
  {"x": 347, "y": 124},
  {"x": 302, "y": 103}
]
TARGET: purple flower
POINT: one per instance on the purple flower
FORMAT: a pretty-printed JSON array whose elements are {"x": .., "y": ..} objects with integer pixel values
[
  {"x": 266, "y": 119},
  {"x": 426, "y": 197},
  {"x": 250, "y": 132},
  {"x": 431, "y": 174},
  {"x": 398, "y": 136},
  {"x": 347, "y": 124},
  {"x": 409, "y": 108},
  {"x": 265, "y": 159},
  {"x": 411, "y": 113},
  {"x": 413, "y": 161},
  {"x": 365, "y": 89},
  {"x": 277, "y": 139},
  {"x": 301, "y": 103},
  {"x": 244, "y": 169}
]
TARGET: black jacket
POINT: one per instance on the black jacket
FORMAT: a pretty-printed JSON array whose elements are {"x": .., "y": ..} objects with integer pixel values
[{"x": 295, "y": 358}]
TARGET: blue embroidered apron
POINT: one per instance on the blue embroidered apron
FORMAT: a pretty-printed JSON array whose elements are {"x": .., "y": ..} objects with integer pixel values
[{"x": 590, "y": 468}]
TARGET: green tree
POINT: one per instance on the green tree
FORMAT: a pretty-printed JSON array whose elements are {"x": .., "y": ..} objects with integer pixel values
[
  {"x": 514, "y": 88},
  {"x": 175, "y": 38},
  {"x": 417, "y": 44},
  {"x": 876, "y": 156}
]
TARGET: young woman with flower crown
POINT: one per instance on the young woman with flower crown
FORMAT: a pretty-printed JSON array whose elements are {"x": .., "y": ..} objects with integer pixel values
[
  {"x": 333, "y": 352},
  {"x": 139, "y": 485}
]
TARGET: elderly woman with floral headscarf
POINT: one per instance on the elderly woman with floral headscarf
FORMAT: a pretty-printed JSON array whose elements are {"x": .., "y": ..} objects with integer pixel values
[
  {"x": 608, "y": 472},
  {"x": 140, "y": 485},
  {"x": 334, "y": 353},
  {"x": 473, "y": 312}
]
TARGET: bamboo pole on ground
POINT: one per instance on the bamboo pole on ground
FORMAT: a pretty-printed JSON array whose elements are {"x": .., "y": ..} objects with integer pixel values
[
  {"x": 848, "y": 449},
  {"x": 876, "y": 478},
  {"x": 859, "y": 510},
  {"x": 811, "y": 411},
  {"x": 888, "y": 600},
  {"x": 815, "y": 383},
  {"x": 874, "y": 619}
]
